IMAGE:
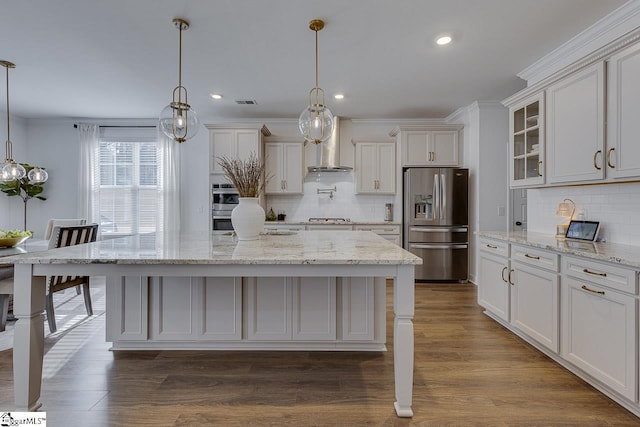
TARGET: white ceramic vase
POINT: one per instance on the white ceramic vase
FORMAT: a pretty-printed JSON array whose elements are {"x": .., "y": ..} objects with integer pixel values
[{"x": 248, "y": 218}]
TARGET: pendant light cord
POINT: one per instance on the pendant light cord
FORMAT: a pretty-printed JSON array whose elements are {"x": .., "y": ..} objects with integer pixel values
[
  {"x": 317, "y": 95},
  {"x": 180, "y": 66},
  {"x": 9, "y": 154}
]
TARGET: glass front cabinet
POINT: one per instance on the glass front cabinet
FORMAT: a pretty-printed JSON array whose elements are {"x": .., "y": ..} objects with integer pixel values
[{"x": 526, "y": 142}]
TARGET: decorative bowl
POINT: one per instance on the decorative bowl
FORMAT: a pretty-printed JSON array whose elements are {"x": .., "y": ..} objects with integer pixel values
[{"x": 9, "y": 242}]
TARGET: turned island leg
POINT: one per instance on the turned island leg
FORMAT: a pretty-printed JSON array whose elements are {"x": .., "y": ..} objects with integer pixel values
[
  {"x": 403, "y": 308},
  {"x": 28, "y": 337}
]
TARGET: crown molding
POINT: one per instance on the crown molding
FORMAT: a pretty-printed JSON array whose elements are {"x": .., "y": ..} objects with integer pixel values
[{"x": 618, "y": 23}]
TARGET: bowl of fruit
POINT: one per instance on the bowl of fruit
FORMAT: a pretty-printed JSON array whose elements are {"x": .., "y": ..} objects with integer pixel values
[{"x": 11, "y": 238}]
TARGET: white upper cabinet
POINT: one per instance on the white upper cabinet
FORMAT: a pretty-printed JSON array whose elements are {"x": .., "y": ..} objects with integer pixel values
[
  {"x": 284, "y": 162},
  {"x": 575, "y": 127},
  {"x": 426, "y": 146},
  {"x": 622, "y": 159},
  {"x": 234, "y": 142},
  {"x": 375, "y": 167},
  {"x": 526, "y": 142}
]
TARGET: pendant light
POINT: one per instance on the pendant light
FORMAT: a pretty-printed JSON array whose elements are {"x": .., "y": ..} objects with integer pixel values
[
  {"x": 316, "y": 121},
  {"x": 178, "y": 120},
  {"x": 12, "y": 170}
]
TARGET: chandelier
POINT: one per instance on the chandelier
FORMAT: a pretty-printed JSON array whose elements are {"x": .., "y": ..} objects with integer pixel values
[
  {"x": 316, "y": 121},
  {"x": 178, "y": 120},
  {"x": 12, "y": 170}
]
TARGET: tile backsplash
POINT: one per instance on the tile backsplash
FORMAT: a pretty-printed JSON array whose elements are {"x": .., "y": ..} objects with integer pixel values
[
  {"x": 616, "y": 206},
  {"x": 345, "y": 203}
]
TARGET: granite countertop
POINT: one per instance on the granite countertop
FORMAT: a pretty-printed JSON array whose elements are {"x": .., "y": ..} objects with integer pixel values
[
  {"x": 306, "y": 222},
  {"x": 303, "y": 247},
  {"x": 611, "y": 252}
]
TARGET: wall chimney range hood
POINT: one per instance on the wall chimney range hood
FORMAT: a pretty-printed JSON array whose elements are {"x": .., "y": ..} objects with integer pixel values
[{"x": 329, "y": 152}]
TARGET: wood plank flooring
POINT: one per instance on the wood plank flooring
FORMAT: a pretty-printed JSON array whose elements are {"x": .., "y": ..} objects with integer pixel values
[{"x": 469, "y": 371}]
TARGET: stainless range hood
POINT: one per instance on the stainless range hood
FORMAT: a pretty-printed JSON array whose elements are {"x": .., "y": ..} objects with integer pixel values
[{"x": 329, "y": 153}]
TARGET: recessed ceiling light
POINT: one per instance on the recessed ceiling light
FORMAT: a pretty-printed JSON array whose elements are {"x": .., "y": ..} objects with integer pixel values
[
  {"x": 339, "y": 96},
  {"x": 443, "y": 39},
  {"x": 216, "y": 96}
]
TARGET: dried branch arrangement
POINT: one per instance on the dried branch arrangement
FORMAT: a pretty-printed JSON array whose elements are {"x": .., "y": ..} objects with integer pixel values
[{"x": 246, "y": 175}]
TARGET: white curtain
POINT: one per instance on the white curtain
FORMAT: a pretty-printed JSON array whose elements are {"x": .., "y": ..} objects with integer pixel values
[
  {"x": 168, "y": 184},
  {"x": 89, "y": 179}
]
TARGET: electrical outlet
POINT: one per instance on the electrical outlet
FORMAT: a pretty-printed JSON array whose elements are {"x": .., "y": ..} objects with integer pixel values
[{"x": 501, "y": 211}]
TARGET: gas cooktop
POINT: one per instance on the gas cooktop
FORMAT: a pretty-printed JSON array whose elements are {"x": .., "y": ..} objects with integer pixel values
[{"x": 328, "y": 219}]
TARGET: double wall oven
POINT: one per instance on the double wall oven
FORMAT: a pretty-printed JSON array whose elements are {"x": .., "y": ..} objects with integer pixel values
[{"x": 224, "y": 197}]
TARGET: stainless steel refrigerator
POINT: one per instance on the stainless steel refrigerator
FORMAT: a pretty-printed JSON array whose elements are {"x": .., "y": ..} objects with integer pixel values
[{"x": 436, "y": 222}]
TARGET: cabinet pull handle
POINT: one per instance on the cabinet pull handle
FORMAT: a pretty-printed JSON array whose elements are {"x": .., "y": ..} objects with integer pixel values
[
  {"x": 538, "y": 168},
  {"x": 502, "y": 275},
  {"x": 595, "y": 273},
  {"x": 509, "y": 278},
  {"x": 609, "y": 157},
  {"x": 491, "y": 246},
  {"x": 592, "y": 290},
  {"x": 532, "y": 256},
  {"x": 434, "y": 156},
  {"x": 595, "y": 158}
]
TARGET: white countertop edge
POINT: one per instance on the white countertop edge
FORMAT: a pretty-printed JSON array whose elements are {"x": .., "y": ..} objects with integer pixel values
[{"x": 626, "y": 255}]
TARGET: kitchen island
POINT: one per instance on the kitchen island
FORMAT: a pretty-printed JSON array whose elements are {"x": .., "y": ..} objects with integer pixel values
[{"x": 175, "y": 260}]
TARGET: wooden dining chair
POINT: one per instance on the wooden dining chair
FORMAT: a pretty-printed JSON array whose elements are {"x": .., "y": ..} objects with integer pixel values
[
  {"x": 62, "y": 223},
  {"x": 63, "y": 237}
]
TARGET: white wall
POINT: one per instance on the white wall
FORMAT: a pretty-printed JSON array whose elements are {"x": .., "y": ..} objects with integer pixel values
[
  {"x": 345, "y": 203},
  {"x": 616, "y": 206},
  {"x": 485, "y": 155},
  {"x": 11, "y": 208}
]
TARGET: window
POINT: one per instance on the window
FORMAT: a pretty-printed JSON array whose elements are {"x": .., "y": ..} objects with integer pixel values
[{"x": 129, "y": 176}]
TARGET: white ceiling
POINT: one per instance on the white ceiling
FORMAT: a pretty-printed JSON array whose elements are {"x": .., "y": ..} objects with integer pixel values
[{"x": 119, "y": 58}]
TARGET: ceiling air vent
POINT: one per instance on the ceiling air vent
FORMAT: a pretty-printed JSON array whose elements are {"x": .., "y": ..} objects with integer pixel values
[{"x": 246, "y": 102}]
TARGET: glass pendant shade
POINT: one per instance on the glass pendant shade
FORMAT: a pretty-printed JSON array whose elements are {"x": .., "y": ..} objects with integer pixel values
[
  {"x": 179, "y": 121},
  {"x": 37, "y": 175},
  {"x": 12, "y": 171},
  {"x": 316, "y": 123}
]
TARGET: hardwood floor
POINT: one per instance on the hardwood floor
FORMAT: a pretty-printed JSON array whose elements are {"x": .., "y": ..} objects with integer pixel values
[{"x": 468, "y": 371}]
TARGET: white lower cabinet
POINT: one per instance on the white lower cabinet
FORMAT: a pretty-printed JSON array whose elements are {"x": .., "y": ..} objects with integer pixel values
[
  {"x": 535, "y": 296},
  {"x": 127, "y": 299},
  {"x": 390, "y": 232},
  {"x": 283, "y": 309},
  {"x": 599, "y": 334},
  {"x": 196, "y": 308},
  {"x": 327, "y": 313},
  {"x": 314, "y": 308},
  {"x": 268, "y": 308},
  {"x": 494, "y": 289},
  {"x": 357, "y": 312}
]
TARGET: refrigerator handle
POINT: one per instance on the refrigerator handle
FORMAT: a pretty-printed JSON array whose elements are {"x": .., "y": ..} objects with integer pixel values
[
  {"x": 443, "y": 196},
  {"x": 436, "y": 198}
]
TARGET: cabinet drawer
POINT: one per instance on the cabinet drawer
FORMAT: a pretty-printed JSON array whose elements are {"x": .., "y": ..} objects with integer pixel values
[
  {"x": 291, "y": 227},
  {"x": 615, "y": 277},
  {"x": 494, "y": 246},
  {"x": 536, "y": 257},
  {"x": 379, "y": 229}
]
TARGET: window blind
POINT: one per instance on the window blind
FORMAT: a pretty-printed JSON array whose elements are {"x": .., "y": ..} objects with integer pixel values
[{"x": 129, "y": 174}]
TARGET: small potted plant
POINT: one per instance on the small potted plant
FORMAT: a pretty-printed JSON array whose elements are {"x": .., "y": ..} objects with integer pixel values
[
  {"x": 248, "y": 177},
  {"x": 24, "y": 188}
]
